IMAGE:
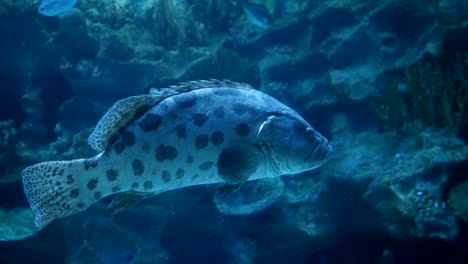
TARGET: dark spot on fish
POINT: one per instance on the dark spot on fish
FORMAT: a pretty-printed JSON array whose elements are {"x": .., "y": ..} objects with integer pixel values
[
  {"x": 119, "y": 147},
  {"x": 116, "y": 189},
  {"x": 97, "y": 195},
  {"x": 240, "y": 109},
  {"x": 180, "y": 173},
  {"x": 173, "y": 115},
  {"x": 92, "y": 184},
  {"x": 206, "y": 165},
  {"x": 138, "y": 167},
  {"x": 112, "y": 175},
  {"x": 226, "y": 92},
  {"x": 180, "y": 130},
  {"x": 194, "y": 177},
  {"x": 80, "y": 205},
  {"x": 135, "y": 185},
  {"x": 165, "y": 152},
  {"x": 141, "y": 110},
  {"x": 166, "y": 176},
  {"x": 219, "y": 112},
  {"x": 88, "y": 164},
  {"x": 145, "y": 147},
  {"x": 61, "y": 171},
  {"x": 74, "y": 193},
  {"x": 189, "y": 159},
  {"x": 148, "y": 185},
  {"x": 242, "y": 130},
  {"x": 112, "y": 138},
  {"x": 185, "y": 101},
  {"x": 199, "y": 119},
  {"x": 217, "y": 138},
  {"x": 201, "y": 141},
  {"x": 150, "y": 122},
  {"x": 128, "y": 138},
  {"x": 70, "y": 179}
]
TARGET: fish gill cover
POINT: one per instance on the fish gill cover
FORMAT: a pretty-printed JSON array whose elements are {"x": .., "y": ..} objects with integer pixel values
[{"x": 191, "y": 108}]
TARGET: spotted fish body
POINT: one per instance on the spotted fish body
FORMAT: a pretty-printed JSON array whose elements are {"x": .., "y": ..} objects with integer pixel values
[{"x": 201, "y": 132}]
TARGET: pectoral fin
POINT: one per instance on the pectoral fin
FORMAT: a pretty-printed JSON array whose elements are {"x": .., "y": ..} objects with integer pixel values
[
  {"x": 125, "y": 200},
  {"x": 226, "y": 189},
  {"x": 236, "y": 164}
]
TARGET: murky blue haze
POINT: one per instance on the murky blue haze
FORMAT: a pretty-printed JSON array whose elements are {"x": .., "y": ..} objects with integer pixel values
[{"x": 216, "y": 171}]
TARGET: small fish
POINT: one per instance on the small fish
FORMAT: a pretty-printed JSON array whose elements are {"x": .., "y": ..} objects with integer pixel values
[
  {"x": 258, "y": 14},
  {"x": 55, "y": 7},
  {"x": 196, "y": 133}
]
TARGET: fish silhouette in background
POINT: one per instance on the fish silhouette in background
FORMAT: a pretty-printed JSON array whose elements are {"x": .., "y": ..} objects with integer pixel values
[
  {"x": 55, "y": 7},
  {"x": 259, "y": 15}
]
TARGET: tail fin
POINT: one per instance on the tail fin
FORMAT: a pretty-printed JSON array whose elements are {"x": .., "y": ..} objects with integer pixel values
[{"x": 54, "y": 190}]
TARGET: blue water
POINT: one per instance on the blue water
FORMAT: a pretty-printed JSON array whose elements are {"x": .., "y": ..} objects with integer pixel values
[{"x": 386, "y": 82}]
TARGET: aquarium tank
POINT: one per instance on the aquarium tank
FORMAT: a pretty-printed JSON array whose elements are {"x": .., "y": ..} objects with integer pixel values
[{"x": 233, "y": 131}]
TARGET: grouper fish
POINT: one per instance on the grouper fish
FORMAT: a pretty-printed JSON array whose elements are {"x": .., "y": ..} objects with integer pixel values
[{"x": 199, "y": 132}]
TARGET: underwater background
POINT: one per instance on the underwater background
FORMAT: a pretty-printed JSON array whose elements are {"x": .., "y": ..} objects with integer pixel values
[{"x": 385, "y": 81}]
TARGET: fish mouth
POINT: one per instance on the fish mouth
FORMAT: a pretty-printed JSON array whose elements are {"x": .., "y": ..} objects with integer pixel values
[{"x": 322, "y": 152}]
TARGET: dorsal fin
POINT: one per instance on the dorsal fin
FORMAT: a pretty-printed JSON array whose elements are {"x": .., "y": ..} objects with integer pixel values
[
  {"x": 124, "y": 111},
  {"x": 196, "y": 85},
  {"x": 117, "y": 118}
]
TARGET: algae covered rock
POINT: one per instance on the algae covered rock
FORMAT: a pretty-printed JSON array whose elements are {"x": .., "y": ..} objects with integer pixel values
[
  {"x": 14, "y": 6},
  {"x": 317, "y": 223},
  {"x": 16, "y": 224},
  {"x": 406, "y": 175},
  {"x": 414, "y": 207}
]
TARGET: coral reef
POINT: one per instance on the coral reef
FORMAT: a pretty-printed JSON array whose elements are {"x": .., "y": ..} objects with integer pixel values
[
  {"x": 15, "y": 7},
  {"x": 440, "y": 93},
  {"x": 453, "y": 13},
  {"x": 315, "y": 222},
  {"x": 401, "y": 166},
  {"x": 434, "y": 93},
  {"x": 414, "y": 207},
  {"x": 334, "y": 62},
  {"x": 8, "y": 151},
  {"x": 16, "y": 224},
  {"x": 248, "y": 198},
  {"x": 8, "y": 135}
]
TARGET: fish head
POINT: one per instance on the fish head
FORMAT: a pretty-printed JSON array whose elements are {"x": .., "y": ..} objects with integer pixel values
[{"x": 293, "y": 145}]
